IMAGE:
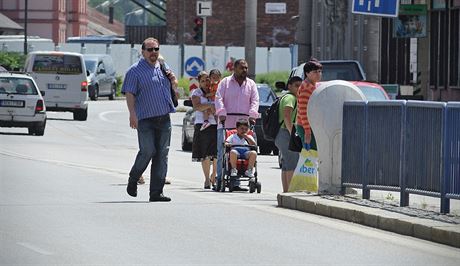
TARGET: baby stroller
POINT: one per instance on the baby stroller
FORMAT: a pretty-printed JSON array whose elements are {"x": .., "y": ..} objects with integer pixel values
[{"x": 227, "y": 180}]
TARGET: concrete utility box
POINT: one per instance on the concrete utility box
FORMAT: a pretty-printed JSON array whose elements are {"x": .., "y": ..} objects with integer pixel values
[{"x": 325, "y": 112}]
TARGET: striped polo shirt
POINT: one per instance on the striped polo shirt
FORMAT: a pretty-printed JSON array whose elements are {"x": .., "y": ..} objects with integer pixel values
[
  {"x": 151, "y": 89},
  {"x": 303, "y": 96}
]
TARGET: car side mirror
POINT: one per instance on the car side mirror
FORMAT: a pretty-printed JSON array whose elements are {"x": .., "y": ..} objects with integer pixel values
[
  {"x": 280, "y": 85},
  {"x": 42, "y": 93},
  {"x": 188, "y": 103},
  {"x": 87, "y": 73},
  {"x": 101, "y": 71}
]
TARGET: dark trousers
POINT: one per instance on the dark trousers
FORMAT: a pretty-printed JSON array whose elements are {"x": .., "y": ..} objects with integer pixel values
[{"x": 154, "y": 137}]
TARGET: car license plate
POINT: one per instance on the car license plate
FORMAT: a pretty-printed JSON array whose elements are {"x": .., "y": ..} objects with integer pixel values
[
  {"x": 53, "y": 86},
  {"x": 11, "y": 103}
]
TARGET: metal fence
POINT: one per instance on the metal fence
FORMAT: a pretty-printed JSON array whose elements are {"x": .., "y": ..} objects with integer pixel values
[
  {"x": 353, "y": 148},
  {"x": 385, "y": 121},
  {"x": 451, "y": 168},
  {"x": 412, "y": 147},
  {"x": 423, "y": 149}
]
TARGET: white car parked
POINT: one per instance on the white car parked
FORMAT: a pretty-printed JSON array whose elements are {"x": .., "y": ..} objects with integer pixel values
[{"x": 21, "y": 103}]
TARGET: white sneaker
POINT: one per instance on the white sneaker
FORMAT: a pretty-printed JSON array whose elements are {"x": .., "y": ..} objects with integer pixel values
[
  {"x": 249, "y": 173},
  {"x": 233, "y": 172}
]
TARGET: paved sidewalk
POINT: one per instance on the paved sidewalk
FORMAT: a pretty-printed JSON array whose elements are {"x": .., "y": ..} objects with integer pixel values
[{"x": 421, "y": 223}]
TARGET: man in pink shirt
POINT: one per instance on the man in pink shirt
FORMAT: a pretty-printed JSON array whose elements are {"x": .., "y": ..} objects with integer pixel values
[{"x": 237, "y": 97}]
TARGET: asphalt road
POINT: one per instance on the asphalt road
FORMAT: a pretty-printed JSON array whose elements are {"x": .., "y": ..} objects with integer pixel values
[{"x": 63, "y": 202}]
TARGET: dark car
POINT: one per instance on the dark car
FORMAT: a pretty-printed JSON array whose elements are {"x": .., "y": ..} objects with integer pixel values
[
  {"x": 102, "y": 78},
  {"x": 266, "y": 98}
]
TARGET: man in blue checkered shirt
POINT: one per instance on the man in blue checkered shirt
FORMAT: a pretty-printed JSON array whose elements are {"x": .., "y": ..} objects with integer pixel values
[{"x": 147, "y": 89}]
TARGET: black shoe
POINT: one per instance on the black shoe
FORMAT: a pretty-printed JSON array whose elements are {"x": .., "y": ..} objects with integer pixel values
[
  {"x": 217, "y": 188},
  {"x": 159, "y": 197},
  {"x": 238, "y": 188},
  {"x": 132, "y": 189},
  {"x": 207, "y": 187}
]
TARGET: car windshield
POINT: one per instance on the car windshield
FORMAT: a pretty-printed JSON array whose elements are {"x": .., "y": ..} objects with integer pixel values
[
  {"x": 90, "y": 65},
  {"x": 266, "y": 95},
  {"x": 12, "y": 85},
  {"x": 372, "y": 93},
  {"x": 342, "y": 71},
  {"x": 57, "y": 64}
]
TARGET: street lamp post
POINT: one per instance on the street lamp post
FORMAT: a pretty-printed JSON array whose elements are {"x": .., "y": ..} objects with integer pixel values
[{"x": 25, "y": 26}]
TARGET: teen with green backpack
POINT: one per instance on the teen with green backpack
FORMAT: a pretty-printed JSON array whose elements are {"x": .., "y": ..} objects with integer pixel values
[{"x": 287, "y": 114}]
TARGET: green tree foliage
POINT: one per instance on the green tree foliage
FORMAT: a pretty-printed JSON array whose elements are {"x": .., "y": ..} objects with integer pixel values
[{"x": 12, "y": 60}]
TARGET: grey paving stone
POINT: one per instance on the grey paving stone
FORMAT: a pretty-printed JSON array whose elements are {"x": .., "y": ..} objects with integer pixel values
[
  {"x": 279, "y": 197},
  {"x": 306, "y": 205},
  {"x": 387, "y": 223},
  {"x": 371, "y": 220},
  {"x": 404, "y": 227},
  {"x": 440, "y": 235},
  {"x": 420, "y": 224},
  {"x": 422, "y": 231},
  {"x": 338, "y": 212},
  {"x": 289, "y": 202},
  {"x": 323, "y": 209}
]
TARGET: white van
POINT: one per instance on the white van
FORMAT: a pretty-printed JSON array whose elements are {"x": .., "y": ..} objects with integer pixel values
[{"x": 63, "y": 78}]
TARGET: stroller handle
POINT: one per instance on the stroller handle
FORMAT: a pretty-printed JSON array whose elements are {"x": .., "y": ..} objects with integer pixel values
[{"x": 222, "y": 122}]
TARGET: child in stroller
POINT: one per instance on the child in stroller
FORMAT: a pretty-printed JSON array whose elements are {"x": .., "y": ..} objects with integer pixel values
[{"x": 241, "y": 155}]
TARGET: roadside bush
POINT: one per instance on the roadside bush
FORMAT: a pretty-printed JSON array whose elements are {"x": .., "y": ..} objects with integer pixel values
[
  {"x": 184, "y": 83},
  {"x": 12, "y": 60},
  {"x": 272, "y": 77},
  {"x": 119, "y": 84}
]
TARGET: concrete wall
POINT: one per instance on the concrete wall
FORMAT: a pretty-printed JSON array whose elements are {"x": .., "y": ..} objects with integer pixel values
[{"x": 275, "y": 59}]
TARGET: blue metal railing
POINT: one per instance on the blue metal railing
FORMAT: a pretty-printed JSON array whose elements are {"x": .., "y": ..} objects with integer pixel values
[
  {"x": 423, "y": 149},
  {"x": 353, "y": 149},
  {"x": 451, "y": 167},
  {"x": 385, "y": 124},
  {"x": 412, "y": 147}
]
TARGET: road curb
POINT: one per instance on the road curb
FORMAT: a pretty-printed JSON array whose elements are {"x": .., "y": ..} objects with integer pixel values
[{"x": 436, "y": 231}]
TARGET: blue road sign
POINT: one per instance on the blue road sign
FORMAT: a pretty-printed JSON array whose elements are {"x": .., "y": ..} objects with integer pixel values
[
  {"x": 384, "y": 8},
  {"x": 193, "y": 66}
]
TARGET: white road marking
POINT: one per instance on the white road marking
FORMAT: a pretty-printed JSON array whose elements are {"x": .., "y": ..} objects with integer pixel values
[
  {"x": 103, "y": 117},
  {"x": 35, "y": 248}
]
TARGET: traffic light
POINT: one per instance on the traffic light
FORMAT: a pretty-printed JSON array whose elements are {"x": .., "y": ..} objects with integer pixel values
[
  {"x": 111, "y": 14},
  {"x": 198, "y": 29}
]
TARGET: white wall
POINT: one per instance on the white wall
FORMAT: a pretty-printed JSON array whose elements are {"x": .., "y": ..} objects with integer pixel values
[{"x": 278, "y": 59}]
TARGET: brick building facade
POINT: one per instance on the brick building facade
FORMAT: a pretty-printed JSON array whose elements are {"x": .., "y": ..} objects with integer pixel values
[
  {"x": 53, "y": 19},
  {"x": 226, "y": 25}
]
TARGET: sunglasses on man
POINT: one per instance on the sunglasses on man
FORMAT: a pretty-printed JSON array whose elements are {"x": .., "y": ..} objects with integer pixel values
[{"x": 156, "y": 49}]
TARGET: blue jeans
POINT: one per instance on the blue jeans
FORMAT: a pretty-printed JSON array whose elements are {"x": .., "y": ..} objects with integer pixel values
[{"x": 154, "y": 137}]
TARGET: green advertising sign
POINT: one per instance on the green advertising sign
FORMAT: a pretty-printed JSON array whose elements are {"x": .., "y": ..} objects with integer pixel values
[{"x": 412, "y": 9}]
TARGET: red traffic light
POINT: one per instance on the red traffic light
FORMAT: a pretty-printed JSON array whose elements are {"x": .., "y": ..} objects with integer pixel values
[{"x": 198, "y": 21}]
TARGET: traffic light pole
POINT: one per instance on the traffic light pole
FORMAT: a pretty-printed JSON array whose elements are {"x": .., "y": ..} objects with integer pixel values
[{"x": 203, "y": 44}]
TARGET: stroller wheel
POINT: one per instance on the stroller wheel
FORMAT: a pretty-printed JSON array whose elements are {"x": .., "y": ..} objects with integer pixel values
[
  {"x": 259, "y": 187},
  {"x": 252, "y": 187},
  {"x": 222, "y": 185}
]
